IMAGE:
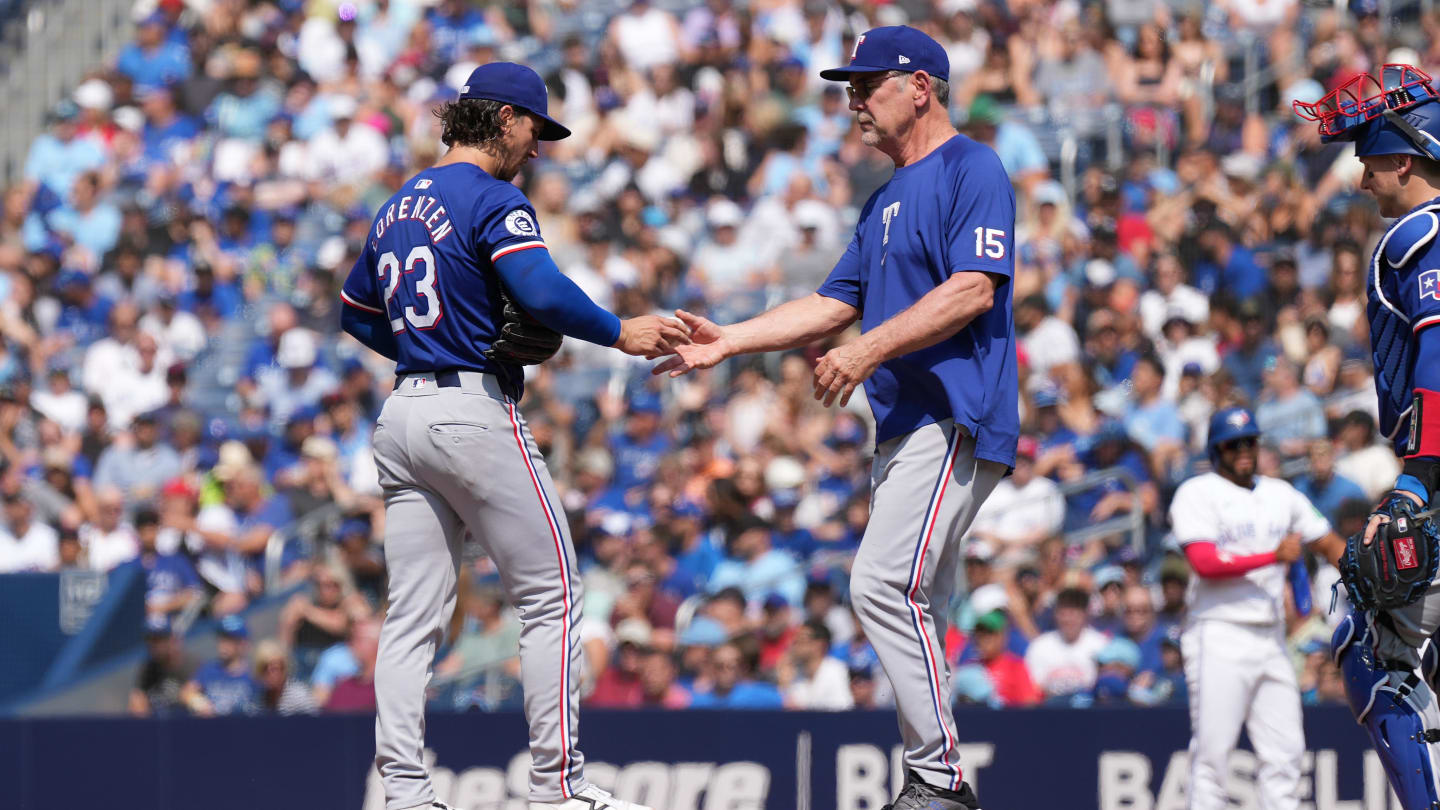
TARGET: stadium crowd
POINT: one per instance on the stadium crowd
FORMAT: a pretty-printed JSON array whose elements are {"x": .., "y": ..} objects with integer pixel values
[{"x": 175, "y": 394}]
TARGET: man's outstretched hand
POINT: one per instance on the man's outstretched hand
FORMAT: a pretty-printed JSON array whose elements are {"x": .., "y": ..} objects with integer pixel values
[
  {"x": 651, "y": 336},
  {"x": 707, "y": 347}
]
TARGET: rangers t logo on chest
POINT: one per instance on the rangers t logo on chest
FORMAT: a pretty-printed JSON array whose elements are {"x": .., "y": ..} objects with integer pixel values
[
  {"x": 1430, "y": 284},
  {"x": 888, "y": 213}
]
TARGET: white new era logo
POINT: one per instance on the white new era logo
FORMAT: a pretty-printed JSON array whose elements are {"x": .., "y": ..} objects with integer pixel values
[
  {"x": 904, "y": 60},
  {"x": 465, "y": 89}
]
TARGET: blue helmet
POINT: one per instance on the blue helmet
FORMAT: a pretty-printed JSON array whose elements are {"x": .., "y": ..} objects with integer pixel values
[
  {"x": 1395, "y": 114},
  {"x": 1228, "y": 424},
  {"x": 1382, "y": 137}
]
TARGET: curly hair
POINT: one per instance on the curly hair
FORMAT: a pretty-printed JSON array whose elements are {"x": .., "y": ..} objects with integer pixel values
[{"x": 471, "y": 122}]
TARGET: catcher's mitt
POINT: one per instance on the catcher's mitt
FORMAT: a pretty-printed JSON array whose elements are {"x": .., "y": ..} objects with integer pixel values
[
  {"x": 1398, "y": 565},
  {"x": 523, "y": 340}
]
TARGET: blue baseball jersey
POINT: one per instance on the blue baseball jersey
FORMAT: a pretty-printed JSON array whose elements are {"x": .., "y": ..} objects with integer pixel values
[
  {"x": 951, "y": 211},
  {"x": 1404, "y": 299},
  {"x": 428, "y": 266},
  {"x": 228, "y": 692}
]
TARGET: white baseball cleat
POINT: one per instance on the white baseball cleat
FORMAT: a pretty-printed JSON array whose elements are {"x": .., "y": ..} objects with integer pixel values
[{"x": 591, "y": 798}]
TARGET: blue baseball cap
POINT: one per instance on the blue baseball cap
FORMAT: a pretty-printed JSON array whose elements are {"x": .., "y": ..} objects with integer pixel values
[
  {"x": 645, "y": 402},
  {"x": 893, "y": 47},
  {"x": 1119, "y": 651},
  {"x": 352, "y": 526},
  {"x": 518, "y": 86},
  {"x": 703, "y": 631},
  {"x": 234, "y": 627}
]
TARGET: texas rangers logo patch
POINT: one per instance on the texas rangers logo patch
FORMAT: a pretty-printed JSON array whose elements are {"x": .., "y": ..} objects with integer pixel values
[
  {"x": 519, "y": 223},
  {"x": 1430, "y": 284},
  {"x": 856, "y": 49}
]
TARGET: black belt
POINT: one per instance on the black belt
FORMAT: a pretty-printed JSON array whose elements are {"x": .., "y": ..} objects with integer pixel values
[{"x": 449, "y": 378}]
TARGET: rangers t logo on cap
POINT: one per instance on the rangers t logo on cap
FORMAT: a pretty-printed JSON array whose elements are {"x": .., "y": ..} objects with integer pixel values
[{"x": 893, "y": 47}]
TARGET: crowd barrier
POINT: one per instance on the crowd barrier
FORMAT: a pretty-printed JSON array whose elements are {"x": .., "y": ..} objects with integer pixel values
[{"x": 1055, "y": 759}]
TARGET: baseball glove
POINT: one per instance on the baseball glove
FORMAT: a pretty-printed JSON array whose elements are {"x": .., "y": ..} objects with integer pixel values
[
  {"x": 1397, "y": 567},
  {"x": 523, "y": 340}
]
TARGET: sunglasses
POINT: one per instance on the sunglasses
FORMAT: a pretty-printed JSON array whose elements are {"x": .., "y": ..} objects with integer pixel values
[
  {"x": 863, "y": 90},
  {"x": 1365, "y": 97},
  {"x": 1247, "y": 443}
]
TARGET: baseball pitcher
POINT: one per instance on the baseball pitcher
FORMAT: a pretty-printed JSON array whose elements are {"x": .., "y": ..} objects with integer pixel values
[
  {"x": 455, "y": 284},
  {"x": 927, "y": 273},
  {"x": 1393, "y": 119}
]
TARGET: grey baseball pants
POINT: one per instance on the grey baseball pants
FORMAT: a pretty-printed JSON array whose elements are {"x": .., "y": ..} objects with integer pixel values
[
  {"x": 926, "y": 488},
  {"x": 452, "y": 459}
]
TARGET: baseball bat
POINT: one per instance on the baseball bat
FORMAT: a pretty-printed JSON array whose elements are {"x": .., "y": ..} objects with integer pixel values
[{"x": 1300, "y": 586}]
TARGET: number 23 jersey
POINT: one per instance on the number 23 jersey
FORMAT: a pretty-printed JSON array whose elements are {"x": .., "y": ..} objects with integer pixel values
[{"x": 428, "y": 265}]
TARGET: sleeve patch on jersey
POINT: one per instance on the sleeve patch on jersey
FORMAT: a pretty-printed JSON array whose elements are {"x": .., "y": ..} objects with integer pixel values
[
  {"x": 519, "y": 223},
  {"x": 1409, "y": 237},
  {"x": 1430, "y": 284}
]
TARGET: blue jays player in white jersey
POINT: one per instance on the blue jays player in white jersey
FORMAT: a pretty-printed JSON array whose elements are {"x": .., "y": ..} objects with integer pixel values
[
  {"x": 928, "y": 274},
  {"x": 451, "y": 446},
  {"x": 1393, "y": 118},
  {"x": 1240, "y": 531}
]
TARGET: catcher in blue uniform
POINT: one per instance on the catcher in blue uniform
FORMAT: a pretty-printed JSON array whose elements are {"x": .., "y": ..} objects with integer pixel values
[{"x": 1393, "y": 118}]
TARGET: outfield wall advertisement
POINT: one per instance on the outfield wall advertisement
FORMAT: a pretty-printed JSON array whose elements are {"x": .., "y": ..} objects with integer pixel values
[{"x": 1098, "y": 759}]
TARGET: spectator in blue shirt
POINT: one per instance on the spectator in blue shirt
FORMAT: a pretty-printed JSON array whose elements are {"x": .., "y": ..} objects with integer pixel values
[
  {"x": 1152, "y": 421},
  {"x": 826, "y": 123},
  {"x": 1019, "y": 150},
  {"x": 170, "y": 579},
  {"x": 1248, "y": 361},
  {"x": 1111, "y": 361},
  {"x": 1290, "y": 416},
  {"x": 732, "y": 684},
  {"x": 225, "y": 685},
  {"x": 787, "y": 536},
  {"x": 637, "y": 449},
  {"x": 756, "y": 568},
  {"x": 165, "y": 126},
  {"x": 57, "y": 157},
  {"x": 695, "y": 553},
  {"x": 152, "y": 59},
  {"x": 87, "y": 220},
  {"x": 244, "y": 110},
  {"x": 1110, "y": 447},
  {"x": 1323, "y": 486},
  {"x": 1138, "y": 623},
  {"x": 140, "y": 469},
  {"x": 84, "y": 313},
  {"x": 454, "y": 25},
  {"x": 210, "y": 294},
  {"x": 1227, "y": 265}
]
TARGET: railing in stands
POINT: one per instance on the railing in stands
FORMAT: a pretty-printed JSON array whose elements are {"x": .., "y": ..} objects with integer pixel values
[
  {"x": 1132, "y": 522},
  {"x": 60, "y": 41},
  {"x": 307, "y": 530}
]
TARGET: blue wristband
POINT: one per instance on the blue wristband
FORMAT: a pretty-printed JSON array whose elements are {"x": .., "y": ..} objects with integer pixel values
[{"x": 1409, "y": 483}]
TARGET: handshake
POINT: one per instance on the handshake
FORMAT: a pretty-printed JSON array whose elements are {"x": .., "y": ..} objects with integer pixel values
[{"x": 651, "y": 336}]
